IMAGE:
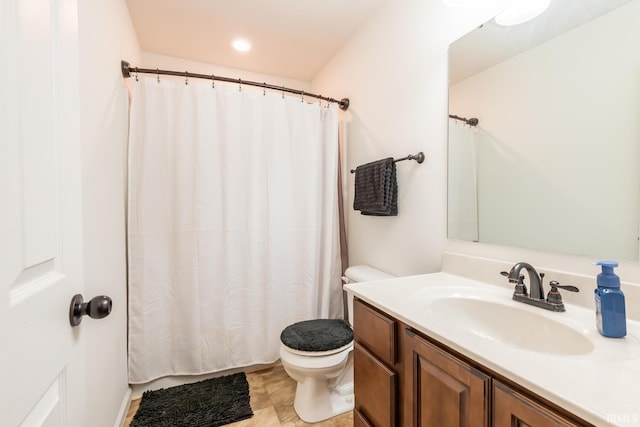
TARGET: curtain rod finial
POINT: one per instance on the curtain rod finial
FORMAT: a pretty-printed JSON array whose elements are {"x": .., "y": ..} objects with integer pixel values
[
  {"x": 124, "y": 66},
  {"x": 344, "y": 104}
]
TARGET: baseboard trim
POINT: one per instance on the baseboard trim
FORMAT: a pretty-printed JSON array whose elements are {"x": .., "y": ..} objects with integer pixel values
[{"x": 124, "y": 408}]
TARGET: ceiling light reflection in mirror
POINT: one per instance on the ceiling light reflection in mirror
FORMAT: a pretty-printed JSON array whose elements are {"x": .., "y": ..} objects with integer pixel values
[{"x": 522, "y": 11}]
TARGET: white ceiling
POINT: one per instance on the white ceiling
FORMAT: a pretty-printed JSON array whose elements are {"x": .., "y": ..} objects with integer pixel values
[{"x": 290, "y": 38}]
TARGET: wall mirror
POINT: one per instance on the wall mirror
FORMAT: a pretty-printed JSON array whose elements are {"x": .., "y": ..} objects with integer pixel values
[{"x": 554, "y": 161}]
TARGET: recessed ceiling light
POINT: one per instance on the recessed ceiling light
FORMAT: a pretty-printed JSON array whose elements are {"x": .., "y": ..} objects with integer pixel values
[
  {"x": 241, "y": 45},
  {"x": 522, "y": 11}
]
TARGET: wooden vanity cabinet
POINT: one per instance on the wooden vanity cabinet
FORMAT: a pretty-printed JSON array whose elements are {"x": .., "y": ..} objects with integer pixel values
[
  {"x": 376, "y": 367},
  {"x": 403, "y": 378},
  {"x": 445, "y": 390}
]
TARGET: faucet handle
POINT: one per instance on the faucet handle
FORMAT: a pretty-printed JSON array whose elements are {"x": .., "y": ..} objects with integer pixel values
[
  {"x": 554, "y": 295},
  {"x": 554, "y": 284}
]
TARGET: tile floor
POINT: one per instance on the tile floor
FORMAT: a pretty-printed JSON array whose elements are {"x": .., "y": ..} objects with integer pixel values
[{"x": 272, "y": 392}]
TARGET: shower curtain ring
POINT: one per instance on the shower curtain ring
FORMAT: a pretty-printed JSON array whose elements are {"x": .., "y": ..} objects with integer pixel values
[
  {"x": 136, "y": 73},
  {"x": 158, "y": 74},
  {"x": 213, "y": 81},
  {"x": 264, "y": 89},
  {"x": 239, "y": 85},
  {"x": 301, "y": 96},
  {"x": 186, "y": 78},
  {"x": 282, "y": 91}
]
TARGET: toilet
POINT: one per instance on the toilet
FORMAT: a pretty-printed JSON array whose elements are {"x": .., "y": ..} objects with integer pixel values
[{"x": 318, "y": 355}]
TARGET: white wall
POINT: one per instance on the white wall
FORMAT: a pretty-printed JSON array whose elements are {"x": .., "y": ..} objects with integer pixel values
[
  {"x": 395, "y": 72},
  {"x": 106, "y": 36}
]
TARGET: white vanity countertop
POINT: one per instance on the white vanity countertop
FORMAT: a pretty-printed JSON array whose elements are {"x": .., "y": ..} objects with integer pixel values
[{"x": 601, "y": 385}]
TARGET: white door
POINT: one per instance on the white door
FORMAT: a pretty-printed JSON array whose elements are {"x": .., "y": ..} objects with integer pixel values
[{"x": 41, "y": 368}]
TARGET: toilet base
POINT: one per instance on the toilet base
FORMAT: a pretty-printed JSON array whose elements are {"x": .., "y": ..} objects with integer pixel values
[
  {"x": 315, "y": 402},
  {"x": 324, "y": 383}
]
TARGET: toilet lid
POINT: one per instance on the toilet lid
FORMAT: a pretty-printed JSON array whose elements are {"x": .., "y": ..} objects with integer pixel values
[{"x": 317, "y": 335}]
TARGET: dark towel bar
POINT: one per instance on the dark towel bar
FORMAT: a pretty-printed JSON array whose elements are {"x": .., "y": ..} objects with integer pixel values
[
  {"x": 417, "y": 157},
  {"x": 471, "y": 122}
]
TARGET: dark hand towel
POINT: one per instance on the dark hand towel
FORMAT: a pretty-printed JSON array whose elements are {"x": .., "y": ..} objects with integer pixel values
[{"x": 376, "y": 188}]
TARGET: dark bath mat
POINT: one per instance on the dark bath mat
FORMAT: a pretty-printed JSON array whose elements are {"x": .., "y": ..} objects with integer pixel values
[{"x": 207, "y": 403}]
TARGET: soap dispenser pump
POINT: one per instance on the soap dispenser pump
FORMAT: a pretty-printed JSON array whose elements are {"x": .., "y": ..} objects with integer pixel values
[{"x": 610, "y": 307}]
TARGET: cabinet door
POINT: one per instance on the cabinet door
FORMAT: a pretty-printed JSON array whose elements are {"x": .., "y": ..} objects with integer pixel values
[
  {"x": 446, "y": 391},
  {"x": 375, "y": 387},
  {"x": 512, "y": 409}
]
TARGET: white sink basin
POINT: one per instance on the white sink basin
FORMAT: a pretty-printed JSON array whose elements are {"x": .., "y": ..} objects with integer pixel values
[{"x": 513, "y": 326}]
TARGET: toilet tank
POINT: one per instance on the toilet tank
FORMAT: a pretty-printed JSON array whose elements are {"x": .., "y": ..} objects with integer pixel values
[{"x": 361, "y": 273}]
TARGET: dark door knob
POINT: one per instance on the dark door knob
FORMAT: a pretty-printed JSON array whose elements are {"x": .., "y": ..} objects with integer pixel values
[{"x": 97, "y": 308}]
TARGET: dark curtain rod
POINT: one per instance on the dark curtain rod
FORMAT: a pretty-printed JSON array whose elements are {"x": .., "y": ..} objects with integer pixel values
[
  {"x": 470, "y": 122},
  {"x": 417, "y": 157},
  {"x": 127, "y": 69}
]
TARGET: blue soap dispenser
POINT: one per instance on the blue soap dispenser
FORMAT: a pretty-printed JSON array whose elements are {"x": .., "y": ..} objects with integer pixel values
[{"x": 610, "y": 311}]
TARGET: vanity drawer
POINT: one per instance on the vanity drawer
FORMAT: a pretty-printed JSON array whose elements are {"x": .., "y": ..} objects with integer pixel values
[
  {"x": 376, "y": 331},
  {"x": 375, "y": 387}
]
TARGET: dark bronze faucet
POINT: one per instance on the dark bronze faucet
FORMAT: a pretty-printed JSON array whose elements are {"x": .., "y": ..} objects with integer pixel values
[
  {"x": 535, "y": 281},
  {"x": 535, "y": 296}
]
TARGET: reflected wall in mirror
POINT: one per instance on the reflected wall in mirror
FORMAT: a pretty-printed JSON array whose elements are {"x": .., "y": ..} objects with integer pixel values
[{"x": 554, "y": 163}]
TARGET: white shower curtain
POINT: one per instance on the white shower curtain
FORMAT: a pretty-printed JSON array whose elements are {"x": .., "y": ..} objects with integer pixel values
[
  {"x": 463, "y": 186},
  {"x": 232, "y": 224}
]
